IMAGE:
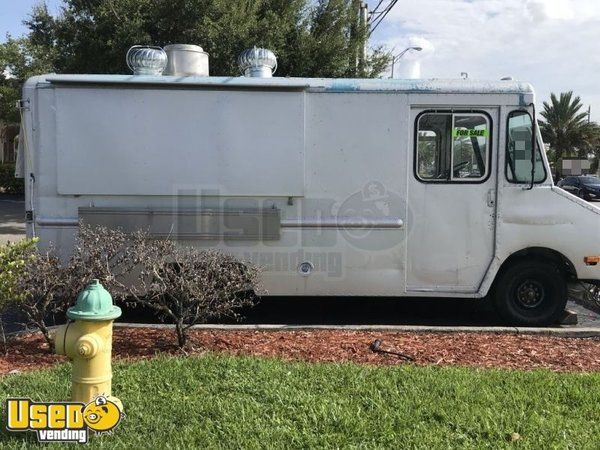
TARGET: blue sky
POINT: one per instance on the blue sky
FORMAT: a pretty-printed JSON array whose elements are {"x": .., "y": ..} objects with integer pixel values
[
  {"x": 12, "y": 13},
  {"x": 552, "y": 44}
]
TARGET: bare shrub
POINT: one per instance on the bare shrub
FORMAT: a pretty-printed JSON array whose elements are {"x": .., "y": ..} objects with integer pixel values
[
  {"x": 183, "y": 285},
  {"x": 108, "y": 254},
  {"x": 190, "y": 286},
  {"x": 44, "y": 289},
  {"x": 38, "y": 285}
]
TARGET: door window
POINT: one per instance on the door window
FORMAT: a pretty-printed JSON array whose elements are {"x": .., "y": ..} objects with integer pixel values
[
  {"x": 518, "y": 150},
  {"x": 452, "y": 147}
]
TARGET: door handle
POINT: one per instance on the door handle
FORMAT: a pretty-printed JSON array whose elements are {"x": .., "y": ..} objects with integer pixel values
[{"x": 491, "y": 198}]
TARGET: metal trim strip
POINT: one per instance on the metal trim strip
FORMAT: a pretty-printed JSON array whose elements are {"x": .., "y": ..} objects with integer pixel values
[{"x": 342, "y": 222}]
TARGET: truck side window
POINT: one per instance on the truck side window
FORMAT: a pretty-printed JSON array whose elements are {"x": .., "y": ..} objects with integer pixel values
[
  {"x": 518, "y": 150},
  {"x": 452, "y": 147},
  {"x": 433, "y": 156}
]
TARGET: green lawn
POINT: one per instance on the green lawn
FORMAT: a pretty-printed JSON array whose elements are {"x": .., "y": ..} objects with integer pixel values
[{"x": 232, "y": 402}]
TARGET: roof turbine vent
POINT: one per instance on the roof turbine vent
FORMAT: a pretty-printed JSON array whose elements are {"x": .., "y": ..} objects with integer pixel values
[
  {"x": 257, "y": 62},
  {"x": 146, "y": 60}
]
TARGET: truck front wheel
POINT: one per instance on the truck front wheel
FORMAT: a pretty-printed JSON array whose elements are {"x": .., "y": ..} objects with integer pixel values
[{"x": 531, "y": 293}]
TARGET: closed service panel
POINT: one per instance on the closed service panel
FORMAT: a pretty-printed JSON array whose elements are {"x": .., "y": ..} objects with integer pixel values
[{"x": 116, "y": 141}]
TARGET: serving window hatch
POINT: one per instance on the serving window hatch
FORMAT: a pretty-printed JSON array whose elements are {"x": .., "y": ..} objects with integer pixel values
[
  {"x": 164, "y": 142},
  {"x": 452, "y": 147}
]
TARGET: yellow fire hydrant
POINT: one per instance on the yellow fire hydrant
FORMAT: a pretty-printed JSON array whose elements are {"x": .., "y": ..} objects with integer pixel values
[{"x": 87, "y": 341}]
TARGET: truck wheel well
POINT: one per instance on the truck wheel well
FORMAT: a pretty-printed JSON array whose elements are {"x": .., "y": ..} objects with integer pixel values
[{"x": 540, "y": 254}]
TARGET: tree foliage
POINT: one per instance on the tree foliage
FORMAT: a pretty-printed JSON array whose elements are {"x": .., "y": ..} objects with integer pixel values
[
  {"x": 20, "y": 59},
  {"x": 566, "y": 128},
  {"x": 310, "y": 38},
  {"x": 591, "y": 145}
]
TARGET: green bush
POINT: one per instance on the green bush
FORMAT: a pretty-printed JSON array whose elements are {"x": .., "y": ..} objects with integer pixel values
[
  {"x": 8, "y": 182},
  {"x": 14, "y": 258},
  {"x": 33, "y": 283}
]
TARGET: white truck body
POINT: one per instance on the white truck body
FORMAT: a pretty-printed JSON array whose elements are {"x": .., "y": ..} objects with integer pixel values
[{"x": 286, "y": 171}]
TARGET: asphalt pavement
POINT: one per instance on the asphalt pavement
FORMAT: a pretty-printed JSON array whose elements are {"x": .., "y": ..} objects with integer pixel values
[
  {"x": 12, "y": 218},
  {"x": 431, "y": 312}
]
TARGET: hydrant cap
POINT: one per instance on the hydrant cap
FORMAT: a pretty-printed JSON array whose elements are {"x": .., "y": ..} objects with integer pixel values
[{"x": 94, "y": 303}]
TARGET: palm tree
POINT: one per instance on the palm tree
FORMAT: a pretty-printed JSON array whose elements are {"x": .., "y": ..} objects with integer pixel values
[
  {"x": 565, "y": 126},
  {"x": 591, "y": 145}
]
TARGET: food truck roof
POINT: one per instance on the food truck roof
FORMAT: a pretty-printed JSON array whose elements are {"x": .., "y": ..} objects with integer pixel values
[{"x": 426, "y": 86}]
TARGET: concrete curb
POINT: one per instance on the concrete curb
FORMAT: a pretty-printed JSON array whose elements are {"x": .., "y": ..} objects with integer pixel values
[
  {"x": 558, "y": 332},
  {"x": 566, "y": 332}
]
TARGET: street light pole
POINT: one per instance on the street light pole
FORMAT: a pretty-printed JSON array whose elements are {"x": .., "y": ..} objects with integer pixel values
[{"x": 401, "y": 54}]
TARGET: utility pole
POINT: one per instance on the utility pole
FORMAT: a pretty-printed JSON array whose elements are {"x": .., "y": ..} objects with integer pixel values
[
  {"x": 589, "y": 113},
  {"x": 359, "y": 34},
  {"x": 363, "y": 24}
]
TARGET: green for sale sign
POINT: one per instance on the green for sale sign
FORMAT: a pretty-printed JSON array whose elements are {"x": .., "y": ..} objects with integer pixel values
[{"x": 465, "y": 132}]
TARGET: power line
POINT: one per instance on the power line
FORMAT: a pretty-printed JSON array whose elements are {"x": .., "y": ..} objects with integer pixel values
[
  {"x": 378, "y": 5},
  {"x": 379, "y": 13}
]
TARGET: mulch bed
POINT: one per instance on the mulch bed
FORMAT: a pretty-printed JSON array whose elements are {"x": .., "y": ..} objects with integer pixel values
[{"x": 509, "y": 351}]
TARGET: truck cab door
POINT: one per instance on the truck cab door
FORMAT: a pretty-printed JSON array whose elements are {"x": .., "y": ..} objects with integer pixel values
[{"x": 452, "y": 200}]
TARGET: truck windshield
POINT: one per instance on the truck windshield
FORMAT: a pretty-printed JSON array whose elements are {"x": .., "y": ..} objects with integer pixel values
[{"x": 518, "y": 150}]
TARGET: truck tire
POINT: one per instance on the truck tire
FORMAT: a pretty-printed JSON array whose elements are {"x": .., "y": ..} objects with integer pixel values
[{"x": 531, "y": 293}]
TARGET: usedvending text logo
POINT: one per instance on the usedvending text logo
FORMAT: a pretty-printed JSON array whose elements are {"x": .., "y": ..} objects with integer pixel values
[{"x": 62, "y": 421}]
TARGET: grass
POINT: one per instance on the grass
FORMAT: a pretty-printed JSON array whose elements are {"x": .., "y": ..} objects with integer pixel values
[{"x": 242, "y": 402}]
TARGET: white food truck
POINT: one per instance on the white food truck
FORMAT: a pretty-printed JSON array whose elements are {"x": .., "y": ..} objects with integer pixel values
[{"x": 336, "y": 187}]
